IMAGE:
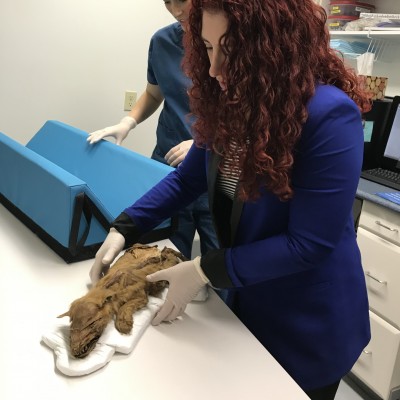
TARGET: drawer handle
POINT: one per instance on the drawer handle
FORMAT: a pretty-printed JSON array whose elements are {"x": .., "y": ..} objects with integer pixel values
[
  {"x": 386, "y": 227},
  {"x": 375, "y": 279},
  {"x": 367, "y": 352}
]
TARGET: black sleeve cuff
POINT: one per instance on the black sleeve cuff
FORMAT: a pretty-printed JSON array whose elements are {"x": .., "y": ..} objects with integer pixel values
[
  {"x": 127, "y": 228},
  {"x": 213, "y": 266}
]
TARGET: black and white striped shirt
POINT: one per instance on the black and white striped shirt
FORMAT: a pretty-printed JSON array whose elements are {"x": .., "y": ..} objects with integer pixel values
[{"x": 227, "y": 182}]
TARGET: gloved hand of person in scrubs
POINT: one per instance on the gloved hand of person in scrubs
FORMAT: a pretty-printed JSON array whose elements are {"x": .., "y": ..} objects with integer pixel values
[
  {"x": 178, "y": 153},
  {"x": 106, "y": 254},
  {"x": 119, "y": 132},
  {"x": 185, "y": 281}
]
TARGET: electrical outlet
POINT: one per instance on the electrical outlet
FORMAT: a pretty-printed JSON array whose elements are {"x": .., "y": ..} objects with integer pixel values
[{"x": 130, "y": 100}]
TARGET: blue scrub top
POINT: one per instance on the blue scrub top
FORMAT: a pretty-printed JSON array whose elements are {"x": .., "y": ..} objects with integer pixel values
[{"x": 164, "y": 69}]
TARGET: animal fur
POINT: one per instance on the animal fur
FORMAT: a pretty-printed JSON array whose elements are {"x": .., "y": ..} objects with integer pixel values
[{"x": 121, "y": 292}]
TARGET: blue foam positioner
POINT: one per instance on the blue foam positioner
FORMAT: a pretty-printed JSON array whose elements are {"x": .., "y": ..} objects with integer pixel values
[{"x": 68, "y": 191}]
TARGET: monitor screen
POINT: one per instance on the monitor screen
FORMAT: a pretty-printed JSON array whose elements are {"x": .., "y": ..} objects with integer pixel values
[
  {"x": 374, "y": 123},
  {"x": 392, "y": 149}
]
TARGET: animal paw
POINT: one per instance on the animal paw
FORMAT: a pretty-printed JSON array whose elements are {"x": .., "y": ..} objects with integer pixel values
[{"x": 123, "y": 325}]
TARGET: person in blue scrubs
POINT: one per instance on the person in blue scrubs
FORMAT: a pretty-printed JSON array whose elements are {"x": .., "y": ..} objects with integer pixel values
[
  {"x": 168, "y": 85},
  {"x": 279, "y": 146}
]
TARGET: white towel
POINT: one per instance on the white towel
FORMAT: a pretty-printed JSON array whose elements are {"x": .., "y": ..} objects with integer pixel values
[{"x": 56, "y": 337}]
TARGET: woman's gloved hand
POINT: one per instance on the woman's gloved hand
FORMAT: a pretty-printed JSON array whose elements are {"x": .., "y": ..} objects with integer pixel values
[
  {"x": 106, "y": 254},
  {"x": 185, "y": 281},
  {"x": 119, "y": 131},
  {"x": 178, "y": 153}
]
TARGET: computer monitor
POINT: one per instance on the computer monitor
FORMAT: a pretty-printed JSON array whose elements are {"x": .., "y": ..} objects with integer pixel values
[
  {"x": 391, "y": 155},
  {"x": 374, "y": 123}
]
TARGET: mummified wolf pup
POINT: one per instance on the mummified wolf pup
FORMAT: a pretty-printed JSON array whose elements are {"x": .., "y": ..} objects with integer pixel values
[{"x": 121, "y": 292}]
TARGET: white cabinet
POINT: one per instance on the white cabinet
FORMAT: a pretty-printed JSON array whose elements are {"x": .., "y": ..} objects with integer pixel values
[
  {"x": 378, "y": 365},
  {"x": 378, "y": 237},
  {"x": 381, "y": 262}
]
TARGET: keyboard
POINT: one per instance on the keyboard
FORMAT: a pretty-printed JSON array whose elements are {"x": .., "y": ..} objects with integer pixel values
[{"x": 382, "y": 176}]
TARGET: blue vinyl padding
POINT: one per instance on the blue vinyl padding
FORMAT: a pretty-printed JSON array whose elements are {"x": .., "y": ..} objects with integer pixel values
[
  {"x": 42, "y": 178},
  {"x": 39, "y": 188},
  {"x": 117, "y": 176}
]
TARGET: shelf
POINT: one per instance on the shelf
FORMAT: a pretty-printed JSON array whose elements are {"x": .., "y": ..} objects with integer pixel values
[{"x": 369, "y": 34}]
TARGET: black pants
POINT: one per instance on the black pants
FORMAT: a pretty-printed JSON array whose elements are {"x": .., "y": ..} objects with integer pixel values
[{"x": 324, "y": 393}]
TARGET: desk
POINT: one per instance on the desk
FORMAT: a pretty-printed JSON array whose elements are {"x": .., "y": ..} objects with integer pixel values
[
  {"x": 366, "y": 190},
  {"x": 209, "y": 354}
]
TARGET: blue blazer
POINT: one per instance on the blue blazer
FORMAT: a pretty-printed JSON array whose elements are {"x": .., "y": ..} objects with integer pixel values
[{"x": 293, "y": 268}]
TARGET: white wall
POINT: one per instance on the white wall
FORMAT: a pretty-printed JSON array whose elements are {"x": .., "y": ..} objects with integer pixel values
[{"x": 72, "y": 60}]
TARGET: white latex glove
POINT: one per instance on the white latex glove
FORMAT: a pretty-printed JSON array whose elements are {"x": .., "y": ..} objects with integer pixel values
[
  {"x": 106, "y": 254},
  {"x": 178, "y": 153},
  {"x": 119, "y": 131},
  {"x": 185, "y": 280}
]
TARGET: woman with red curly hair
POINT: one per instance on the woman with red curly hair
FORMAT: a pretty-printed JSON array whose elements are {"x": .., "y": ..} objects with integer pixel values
[{"x": 279, "y": 147}]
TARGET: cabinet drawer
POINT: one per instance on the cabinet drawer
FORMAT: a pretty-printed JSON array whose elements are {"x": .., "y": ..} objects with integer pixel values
[
  {"x": 381, "y": 220},
  {"x": 381, "y": 263},
  {"x": 378, "y": 364}
]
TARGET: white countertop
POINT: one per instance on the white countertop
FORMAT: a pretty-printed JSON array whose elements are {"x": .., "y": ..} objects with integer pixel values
[{"x": 209, "y": 354}]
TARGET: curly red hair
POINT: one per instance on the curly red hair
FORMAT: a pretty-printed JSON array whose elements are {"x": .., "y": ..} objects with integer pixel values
[{"x": 277, "y": 52}]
